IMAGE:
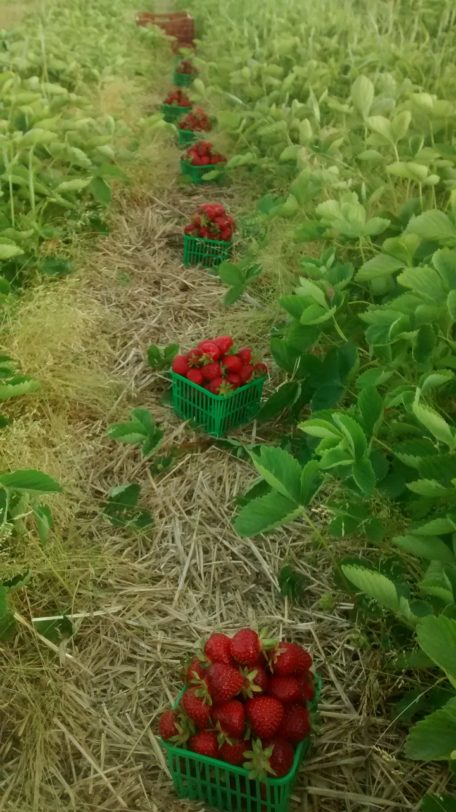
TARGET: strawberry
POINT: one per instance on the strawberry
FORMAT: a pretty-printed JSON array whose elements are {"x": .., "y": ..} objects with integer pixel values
[
  {"x": 234, "y": 379},
  {"x": 224, "y": 343},
  {"x": 295, "y": 725},
  {"x": 307, "y": 688},
  {"x": 287, "y": 689},
  {"x": 205, "y": 743},
  {"x": 224, "y": 682},
  {"x": 260, "y": 369},
  {"x": 167, "y": 725},
  {"x": 265, "y": 714},
  {"x": 245, "y": 354},
  {"x": 211, "y": 371},
  {"x": 210, "y": 349},
  {"x": 195, "y": 671},
  {"x": 246, "y": 647},
  {"x": 218, "y": 648},
  {"x": 281, "y": 757},
  {"x": 255, "y": 681},
  {"x": 289, "y": 659},
  {"x": 230, "y": 717},
  {"x": 180, "y": 365},
  {"x": 194, "y": 358},
  {"x": 246, "y": 373},
  {"x": 195, "y": 376},
  {"x": 214, "y": 386},
  {"x": 232, "y": 363},
  {"x": 196, "y": 709},
  {"x": 233, "y": 752}
]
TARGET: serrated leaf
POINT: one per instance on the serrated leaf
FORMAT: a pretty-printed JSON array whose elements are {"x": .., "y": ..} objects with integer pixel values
[
  {"x": 353, "y": 433},
  {"x": 373, "y": 584},
  {"x": 364, "y": 475},
  {"x": 28, "y": 479},
  {"x": 380, "y": 266},
  {"x": 265, "y": 513},
  {"x": 437, "y": 638},
  {"x": 283, "y": 399},
  {"x": 433, "y": 225},
  {"x": 435, "y": 424},
  {"x": 17, "y": 386},
  {"x": 433, "y": 738},
  {"x": 323, "y": 429},
  {"x": 362, "y": 93},
  {"x": 44, "y": 522},
  {"x": 280, "y": 470},
  {"x": 431, "y": 548},
  {"x": 436, "y": 527},
  {"x": 311, "y": 479},
  {"x": 428, "y": 487},
  {"x": 370, "y": 405}
]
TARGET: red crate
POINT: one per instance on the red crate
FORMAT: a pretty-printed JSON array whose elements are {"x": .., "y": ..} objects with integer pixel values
[{"x": 178, "y": 25}]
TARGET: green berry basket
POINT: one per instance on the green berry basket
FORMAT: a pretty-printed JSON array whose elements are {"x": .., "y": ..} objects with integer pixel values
[
  {"x": 186, "y": 137},
  {"x": 205, "y": 252},
  {"x": 183, "y": 79},
  {"x": 173, "y": 112},
  {"x": 216, "y": 414},
  {"x": 196, "y": 173},
  {"x": 229, "y": 788}
]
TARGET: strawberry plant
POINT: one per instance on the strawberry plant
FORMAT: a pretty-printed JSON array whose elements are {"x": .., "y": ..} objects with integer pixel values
[{"x": 141, "y": 430}]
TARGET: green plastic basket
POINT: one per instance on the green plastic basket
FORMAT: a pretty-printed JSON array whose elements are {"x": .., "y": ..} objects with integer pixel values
[
  {"x": 186, "y": 137},
  {"x": 196, "y": 173},
  {"x": 183, "y": 79},
  {"x": 216, "y": 414},
  {"x": 205, "y": 252},
  {"x": 228, "y": 788},
  {"x": 172, "y": 112}
]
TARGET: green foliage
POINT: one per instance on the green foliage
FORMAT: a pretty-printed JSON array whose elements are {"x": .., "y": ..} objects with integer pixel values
[
  {"x": 141, "y": 430},
  {"x": 161, "y": 358},
  {"x": 122, "y": 509}
]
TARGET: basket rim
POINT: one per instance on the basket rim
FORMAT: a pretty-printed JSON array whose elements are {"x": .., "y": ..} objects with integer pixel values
[
  {"x": 190, "y": 237},
  {"x": 206, "y": 167},
  {"x": 300, "y": 751},
  {"x": 217, "y": 398},
  {"x": 174, "y": 107}
]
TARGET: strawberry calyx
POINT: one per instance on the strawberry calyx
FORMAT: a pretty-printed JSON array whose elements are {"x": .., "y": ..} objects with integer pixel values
[{"x": 258, "y": 760}]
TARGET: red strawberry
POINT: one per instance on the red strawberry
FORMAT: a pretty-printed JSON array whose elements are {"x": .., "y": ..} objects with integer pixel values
[
  {"x": 214, "y": 386},
  {"x": 233, "y": 752},
  {"x": 195, "y": 671},
  {"x": 287, "y": 689},
  {"x": 307, "y": 688},
  {"x": 205, "y": 743},
  {"x": 295, "y": 724},
  {"x": 246, "y": 373},
  {"x": 211, "y": 371},
  {"x": 196, "y": 709},
  {"x": 281, "y": 757},
  {"x": 180, "y": 365},
  {"x": 245, "y": 354},
  {"x": 265, "y": 714},
  {"x": 224, "y": 343},
  {"x": 255, "y": 681},
  {"x": 260, "y": 369},
  {"x": 224, "y": 682},
  {"x": 232, "y": 363},
  {"x": 167, "y": 725},
  {"x": 246, "y": 647},
  {"x": 210, "y": 349},
  {"x": 194, "y": 358},
  {"x": 289, "y": 659},
  {"x": 218, "y": 648},
  {"x": 195, "y": 376},
  {"x": 234, "y": 379},
  {"x": 231, "y": 718}
]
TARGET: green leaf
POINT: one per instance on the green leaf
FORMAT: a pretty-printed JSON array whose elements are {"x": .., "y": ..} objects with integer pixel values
[
  {"x": 373, "y": 584},
  {"x": 44, "y": 522},
  {"x": 283, "y": 399},
  {"x": 433, "y": 225},
  {"x": 100, "y": 191},
  {"x": 370, "y": 405},
  {"x": 8, "y": 251},
  {"x": 121, "y": 508},
  {"x": 29, "y": 480},
  {"x": 281, "y": 471},
  {"x": 431, "y": 548},
  {"x": 7, "y": 621},
  {"x": 56, "y": 630},
  {"x": 364, "y": 475},
  {"x": 323, "y": 429},
  {"x": 17, "y": 386},
  {"x": 437, "y": 638},
  {"x": 311, "y": 479},
  {"x": 436, "y": 527},
  {"x": 429, "y": 487},
  {"x": 438, "y": 803},
  {"x": 435, "y": 424},
  {"x": 362, "y": 93},
  {"x": 433, "y": 738},
  {"x": 265, "y": 513},
  {"x": 356, "y": 439},
  {"x": 380, "y": 266}
]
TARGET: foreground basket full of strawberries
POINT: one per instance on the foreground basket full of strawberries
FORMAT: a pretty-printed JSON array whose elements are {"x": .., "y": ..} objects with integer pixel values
[{"x": 246, "y": 706}]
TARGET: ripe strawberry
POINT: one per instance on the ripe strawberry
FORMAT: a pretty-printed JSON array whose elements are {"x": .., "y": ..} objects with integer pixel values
[
  {"x": 224, "y": 682},
  {"x": 295, "y": 725},
  {"x": 180, "y": 365},
  {"x": 287, "y": 689},
  {"x": 214, "y": 386},
  {"x": 265, "y": 714},
  {"x": 245, "y": 354},
  {"x": 167, "y": 725},
  {"x": 307, "y": 688},
  {"x": 231, "y": 718},
  {"x": 233, "y": 752},
  {"x": 260, "y": 369},
  {"x": 196, "y": 709},
  {"x": 195, "y": 671},
  {"x": 232, "y": 363},
  {"x": 246, "y": 647},
  {"x": 195, "y": 376},
  {"x": 210, "y": 349},
  {"x": 281, "y": 757},
  {"x": 289, "y": 659},
  {"x": 246, "y": 373},
  {"x": 204, "y": 743},
  {"x": 194, "y": 358},
  {"x": 211, "y": 371},
  {"x": 224, "y": 343},
  {"x": 255, "y": 681},
  {"x": 218, "y": 648},
  {"x": 234, "y": 379}
]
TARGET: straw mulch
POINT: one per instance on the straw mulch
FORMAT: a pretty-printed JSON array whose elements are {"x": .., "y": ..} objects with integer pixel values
[{"x": 78, "y": 722}]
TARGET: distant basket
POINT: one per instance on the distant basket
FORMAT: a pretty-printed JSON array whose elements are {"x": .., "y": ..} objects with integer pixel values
[
  {"x": 178, "y": 25},
  {"x": 205, "y": 252},
  {"x": 196, "y": 173}
]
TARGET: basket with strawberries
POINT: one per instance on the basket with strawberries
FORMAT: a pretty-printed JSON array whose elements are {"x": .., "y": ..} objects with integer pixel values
[
  {"x": 217, "y": 387},
  {"x": 184, "y": 73},
  {"x": 176, "y": 105},
  {"x": 194, "y": 122},
  {"x": 246, "y": 708},
  {"x": 199, "y": 159},
  {"x": 208, "y": 238}
]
